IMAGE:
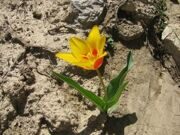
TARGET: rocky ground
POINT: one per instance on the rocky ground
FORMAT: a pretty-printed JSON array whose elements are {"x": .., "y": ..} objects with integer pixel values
[{"x": 33, "y": 103}]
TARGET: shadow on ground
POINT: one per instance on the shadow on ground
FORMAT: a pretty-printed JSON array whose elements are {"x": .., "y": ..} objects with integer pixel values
[
  {"x": 116, "y": 126},
  {"x": 111, "y": 126}
]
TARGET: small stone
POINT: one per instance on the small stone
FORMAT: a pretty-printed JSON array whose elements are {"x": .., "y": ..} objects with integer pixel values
[
  {"x": 37, "y": 15},
  {"x": 56, "y": 39},
  {"x": 8, "y": 36}
]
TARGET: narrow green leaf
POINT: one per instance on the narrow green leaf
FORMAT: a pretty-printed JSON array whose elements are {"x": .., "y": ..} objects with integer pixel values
[
  {"x": 111, "y": 102},
  {"x": 116, "y": 83},
  {"x": 88, "y": 94}
]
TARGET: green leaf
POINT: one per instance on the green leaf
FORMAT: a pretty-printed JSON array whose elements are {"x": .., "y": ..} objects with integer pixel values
[
  {"x": 116, "y": 85},
  {"x": 111, "y": 102},
  {"x": 88, "y": 94}
]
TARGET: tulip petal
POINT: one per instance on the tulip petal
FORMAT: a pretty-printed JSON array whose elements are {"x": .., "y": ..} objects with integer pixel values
[
  {"x": 93, "y": 37},
  {"x": 78, "y": 47},
  {"x": 101, "y": 44},
  {"x": 67, "y": 57},
  {"x": 104, "y": 54},
  {"x": 86, "y": 66},
  {"x": 98, "y": 63}
]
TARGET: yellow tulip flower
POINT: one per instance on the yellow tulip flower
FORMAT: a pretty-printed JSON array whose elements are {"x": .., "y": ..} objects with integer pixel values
[{"x": 88, "y": 53}]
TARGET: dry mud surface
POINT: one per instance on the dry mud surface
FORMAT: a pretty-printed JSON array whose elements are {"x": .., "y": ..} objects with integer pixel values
[{"x": 32, "y": 103}]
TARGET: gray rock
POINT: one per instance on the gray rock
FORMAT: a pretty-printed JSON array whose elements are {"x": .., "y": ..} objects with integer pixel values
[
  {"x": 171, "y": 40},
  {"x": 90, "y": 11}
]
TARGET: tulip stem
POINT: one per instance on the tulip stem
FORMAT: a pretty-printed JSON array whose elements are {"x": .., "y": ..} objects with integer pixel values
[{"x": 102, "y": 83}]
